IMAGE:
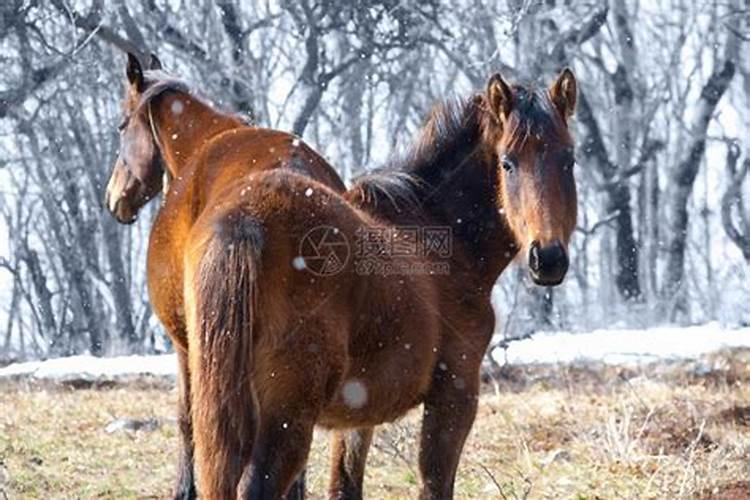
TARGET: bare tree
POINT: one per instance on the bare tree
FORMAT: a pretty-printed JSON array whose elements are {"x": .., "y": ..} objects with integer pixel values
[
  {"x": 684, "y": 173},
  {"x": 357, "y": 79},
  {"x": 734, "y": 215}
]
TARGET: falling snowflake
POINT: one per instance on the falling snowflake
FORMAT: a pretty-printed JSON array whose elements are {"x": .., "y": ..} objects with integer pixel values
[
  {"x": 177, "y": 107},
  {"x": 355, "y": 394},
  {"x": 298, "y": 263}
]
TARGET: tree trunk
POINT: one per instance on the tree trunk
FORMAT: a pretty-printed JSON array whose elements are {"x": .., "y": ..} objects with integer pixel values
[
  {"x": 618, "y": 201},
  {"x": 123, "y": 301},
  {"x": 739, "y": 233},
  {"x": 684, "y": 174}
]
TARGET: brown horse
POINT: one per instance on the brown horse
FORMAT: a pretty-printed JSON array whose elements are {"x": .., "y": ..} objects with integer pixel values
[
  {"x": 173, "y": 141},
  {"x": 318, "y": 338},
  {"x": 287, "y": 329},
  {"x": 497, "y": 170}
]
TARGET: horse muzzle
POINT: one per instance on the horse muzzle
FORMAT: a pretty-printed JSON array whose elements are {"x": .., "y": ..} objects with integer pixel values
[
  {"x": 121, "y": 212},
  {"x": 548, "y": 264},
  {"x": 118, "y": 198}
]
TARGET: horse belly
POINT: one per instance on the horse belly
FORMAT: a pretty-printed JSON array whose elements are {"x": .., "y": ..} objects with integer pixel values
[{"x": 382, "y": 387}]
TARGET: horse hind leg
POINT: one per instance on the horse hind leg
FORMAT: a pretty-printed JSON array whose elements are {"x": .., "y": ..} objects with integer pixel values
[
  {"x": 290, "y": 401},
  {"x": 288, "y": 411},
  {"x": 185, "y": 485},
  {"x": 279, "y": 455},
  {"x": 348, "y": 457},
  {"x": 297, "y": 491}
]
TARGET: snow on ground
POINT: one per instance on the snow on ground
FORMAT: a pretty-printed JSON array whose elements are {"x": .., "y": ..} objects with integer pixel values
[
  {"x": 93, "y": 367},
  {"x": 624, "y": 346},
  {"x": 608, "y": 346}
]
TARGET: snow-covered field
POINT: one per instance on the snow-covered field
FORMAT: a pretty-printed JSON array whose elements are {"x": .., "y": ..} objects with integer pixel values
[
  {"x": 608, "y": 346},
  {"x": 92, "y": 367},
  {"x": 625, "y": 346}
]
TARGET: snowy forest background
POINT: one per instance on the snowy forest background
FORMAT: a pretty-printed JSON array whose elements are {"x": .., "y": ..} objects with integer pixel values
[{"x": 663, "y": 149}]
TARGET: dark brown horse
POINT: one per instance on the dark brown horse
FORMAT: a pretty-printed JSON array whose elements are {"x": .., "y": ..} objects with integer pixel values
[
  {"x": 173, "y": 141},
  {"x": 497, "y": 170}
]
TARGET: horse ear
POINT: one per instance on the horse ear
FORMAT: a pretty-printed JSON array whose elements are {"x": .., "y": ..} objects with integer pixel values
[
  {"x": 564, "y": 93},
  {"x": 154, "y": 63},
  {"x": 500, "y": 97},
  {"x": 135, "y": 72}
]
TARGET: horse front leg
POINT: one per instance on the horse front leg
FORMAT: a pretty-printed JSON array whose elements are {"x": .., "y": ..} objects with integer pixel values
[
  {"x": 449, "y": 411},
  {"x": 185, "y": 485},
  {"x": 297, "y": 491},
  {"x": 348, "y": 458}
]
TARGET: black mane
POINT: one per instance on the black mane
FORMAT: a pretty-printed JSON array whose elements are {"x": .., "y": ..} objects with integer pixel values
[
  {"x": 454, "y": 127},
  {"x": 453, "y": 131},
  {"x": 158, "y": 82}
]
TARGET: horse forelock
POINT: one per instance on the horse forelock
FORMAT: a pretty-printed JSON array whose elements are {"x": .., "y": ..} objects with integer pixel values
[{"x": 533, "y": 115}]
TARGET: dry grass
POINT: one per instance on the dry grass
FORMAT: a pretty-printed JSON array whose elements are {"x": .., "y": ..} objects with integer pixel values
[{"x": 544, "y": 432}]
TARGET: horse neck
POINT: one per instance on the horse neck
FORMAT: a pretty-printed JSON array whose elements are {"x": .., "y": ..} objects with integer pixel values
[
  {"x": 183, "y": 125},
  {"x": 465, "y": 198}
]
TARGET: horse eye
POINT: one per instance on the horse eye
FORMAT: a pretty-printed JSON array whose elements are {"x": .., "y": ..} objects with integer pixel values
[
  {"x": 569, "y": 160},
  {"x": 508, "y": 164}
]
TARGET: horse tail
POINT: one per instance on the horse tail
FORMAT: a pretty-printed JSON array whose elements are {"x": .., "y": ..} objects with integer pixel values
[{"x": 224, "y": 405}]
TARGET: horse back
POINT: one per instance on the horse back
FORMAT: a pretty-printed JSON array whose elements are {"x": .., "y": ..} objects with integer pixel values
[{"x": 222, "y": 163}]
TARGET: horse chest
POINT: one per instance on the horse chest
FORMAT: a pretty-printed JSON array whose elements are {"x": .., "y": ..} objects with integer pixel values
[{"x": 165, "y": 283}]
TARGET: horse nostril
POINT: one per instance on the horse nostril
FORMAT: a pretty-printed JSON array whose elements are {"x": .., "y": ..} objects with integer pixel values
[
  {"x": 534, "y": 259},
  {"x": 554, "y": 252}
]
